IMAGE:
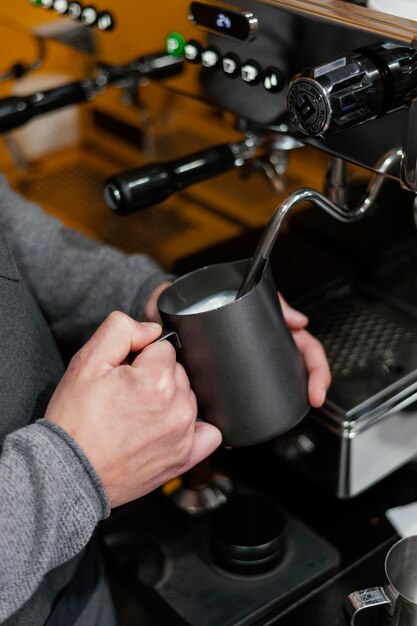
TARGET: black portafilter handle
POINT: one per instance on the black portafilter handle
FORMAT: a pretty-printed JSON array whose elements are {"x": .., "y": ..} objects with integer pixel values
[
  {"x": 357, "y": 87},
  {"x": 17, "y": 110},
  {"x": 152, "y": 183},
  {"x": 153, "y": 66}
]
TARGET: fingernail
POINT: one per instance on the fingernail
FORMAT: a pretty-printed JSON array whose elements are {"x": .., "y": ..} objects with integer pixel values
[{"x": 298, "y": 315}]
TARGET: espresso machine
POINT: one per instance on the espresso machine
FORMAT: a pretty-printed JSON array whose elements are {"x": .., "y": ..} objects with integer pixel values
[
  {"x": 340, "y": 77},
  {"x": 284, "y": 531}
]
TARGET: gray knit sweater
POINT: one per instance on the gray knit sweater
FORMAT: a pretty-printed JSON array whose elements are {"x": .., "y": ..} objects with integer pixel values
[{"x": 56, "y": 287}]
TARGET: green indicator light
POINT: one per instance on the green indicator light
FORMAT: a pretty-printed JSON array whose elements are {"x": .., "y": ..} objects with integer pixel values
[
  {"x": 175, "y": 44},
  {"x": 37, "y": 2}
]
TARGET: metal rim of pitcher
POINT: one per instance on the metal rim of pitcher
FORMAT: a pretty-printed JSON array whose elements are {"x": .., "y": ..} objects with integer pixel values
[
  {"x": 392, "y": 588},
  {"x": 202, "y": 270}
]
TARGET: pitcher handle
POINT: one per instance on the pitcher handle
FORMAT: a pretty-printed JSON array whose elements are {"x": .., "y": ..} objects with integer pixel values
[
  {"x": 171, "y": 335},
  {"x": 357, "y": 601}
]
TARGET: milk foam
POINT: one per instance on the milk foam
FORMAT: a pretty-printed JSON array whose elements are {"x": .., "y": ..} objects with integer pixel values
[{"x": 216, "y": 301}]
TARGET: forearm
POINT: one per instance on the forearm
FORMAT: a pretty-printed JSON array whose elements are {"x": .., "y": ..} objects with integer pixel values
[{"x": 51, "y": 501}]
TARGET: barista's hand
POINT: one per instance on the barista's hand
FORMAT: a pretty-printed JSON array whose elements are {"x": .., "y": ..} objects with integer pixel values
[
  {"x": 136, "y": 423},
  {"x": 312, "y": 352}
]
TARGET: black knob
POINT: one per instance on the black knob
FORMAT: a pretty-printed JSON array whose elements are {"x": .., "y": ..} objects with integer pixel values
[{"x": 361, "y": 86}]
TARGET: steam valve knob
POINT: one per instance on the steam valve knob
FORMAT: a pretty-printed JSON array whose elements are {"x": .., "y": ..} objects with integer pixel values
[{"x": 363, "y": 85}]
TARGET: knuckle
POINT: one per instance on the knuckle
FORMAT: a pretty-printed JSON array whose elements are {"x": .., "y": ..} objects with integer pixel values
[
  {"x": 184, "y": 454},
  {"x": 81, "y": 358},
  {"x": 186, "y": 416},
  {"x": 165, "y": 385},
  {"x": 167, "y": 349},
  {"x": 316, "y": 344},
  {"x": 120, "y": 318},
  {"x": 163, "y": 351},
  {"x": 323, "y": 356},
  {"x": 193, "y": 403},
  {"x": 187, "y": 449}
]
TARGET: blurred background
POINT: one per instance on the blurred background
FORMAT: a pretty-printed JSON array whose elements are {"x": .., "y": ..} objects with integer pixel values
[{"x": 61, "y": 159}]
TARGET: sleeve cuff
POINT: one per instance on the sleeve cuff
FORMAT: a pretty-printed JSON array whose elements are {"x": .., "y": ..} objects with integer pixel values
[
  {"x": 144, "y": 292},
  {"x": 85, "y": 476}
]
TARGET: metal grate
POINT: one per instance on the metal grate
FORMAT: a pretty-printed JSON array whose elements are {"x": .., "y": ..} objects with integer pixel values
[{"x": 356, "y": 335}]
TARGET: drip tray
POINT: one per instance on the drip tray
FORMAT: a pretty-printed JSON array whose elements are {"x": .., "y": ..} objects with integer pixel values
[
  {"x": 371, "y": 346},
  {"x": 368, "y": 425},
  {"x": 396, "y": 281}
]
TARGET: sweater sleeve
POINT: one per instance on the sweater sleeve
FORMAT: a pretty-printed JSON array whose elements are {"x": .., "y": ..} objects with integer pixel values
[
  {"x": 51, "y": 500},
  {"x": 76, "y": 281}
]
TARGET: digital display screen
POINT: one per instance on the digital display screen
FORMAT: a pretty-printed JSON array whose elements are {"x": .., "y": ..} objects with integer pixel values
[{"x": 240, "y": 25}]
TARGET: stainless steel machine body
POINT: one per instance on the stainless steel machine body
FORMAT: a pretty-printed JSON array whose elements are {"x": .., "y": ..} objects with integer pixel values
[{"x": 242, "y": 59}]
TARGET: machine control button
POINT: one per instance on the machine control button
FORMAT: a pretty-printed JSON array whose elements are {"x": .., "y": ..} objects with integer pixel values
[
  {"x": 105, "y": 21},
  {"x": 175, "y": 44},
  {"x": 210, "y": 58},
  {"x": 273, "y": 80},
  {"x": 61, "y": 6},
  {"x": 192, "y": 51},
  {"x": 74, "y": 10},
  {"x": 89, "y": 15},
  {"x": 231, "y": 65},
  {"x": 251, "y": 72}
]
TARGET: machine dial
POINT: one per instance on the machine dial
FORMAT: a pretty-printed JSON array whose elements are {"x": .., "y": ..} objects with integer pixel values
[{"x": 363, "y": 85}]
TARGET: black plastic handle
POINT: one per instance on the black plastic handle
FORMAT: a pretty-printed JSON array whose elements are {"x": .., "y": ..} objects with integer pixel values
[
  {"x": 148, "y": 185},
  {"x": 17, "y": 110},
  {"x": 154, "y": 66}
]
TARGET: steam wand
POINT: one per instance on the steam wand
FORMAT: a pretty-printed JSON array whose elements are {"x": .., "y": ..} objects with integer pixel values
[{"x": 271, "y": 232}]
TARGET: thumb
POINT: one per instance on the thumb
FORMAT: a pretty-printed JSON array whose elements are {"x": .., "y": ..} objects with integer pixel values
[
  {"x": 207, "y": 438},
  {"x": 116, "y": 338}
]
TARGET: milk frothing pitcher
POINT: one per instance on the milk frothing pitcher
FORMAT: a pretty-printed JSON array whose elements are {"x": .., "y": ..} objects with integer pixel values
[
  {"x": 244, "y": 367},
  {"x": 399, "y": 595}
]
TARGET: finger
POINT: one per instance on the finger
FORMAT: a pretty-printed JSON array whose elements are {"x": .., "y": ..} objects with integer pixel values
[
  {"x": 315, "y": 360},
  {"x": 207, "y": 438},
  {"x": 295, "y": 319},
  {"x": 116, "y": 337},
  {"x": 155, "y": 354},
  {"x": 182, "y": 381}
]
